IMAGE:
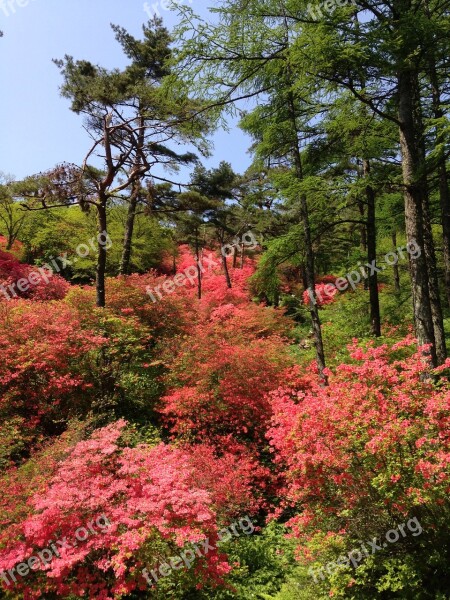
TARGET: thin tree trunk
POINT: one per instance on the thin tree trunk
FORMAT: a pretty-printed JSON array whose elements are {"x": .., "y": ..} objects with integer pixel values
[
  {"x": 199, "y": 268},
  {"x": 309, "y": 252},
  {"x": 413, "y": 174},
  {"x": 363, "y": 230},
  {"x": 101, "y": 260},
  {"x": 363, "y": 238},
  {"x": 435, "y": 300},
  {"x": 226, "y": 271},
  {"x": 307, "y": 238},
  {"x": 430, "y": 254},
  {"x": 397, "y": 288},
  {"x": 129, "y": 229},
  {"x": 133, "y": 202},
  {"x": 375, "y": 319},
  {"x": 235, "y": 256},
  {"x": 444, "y": 192},
  {"x": 445, "y": 221}
]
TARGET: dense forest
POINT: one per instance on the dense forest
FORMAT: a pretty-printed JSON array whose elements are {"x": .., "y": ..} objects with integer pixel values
[{"x": 219, "y": 384}]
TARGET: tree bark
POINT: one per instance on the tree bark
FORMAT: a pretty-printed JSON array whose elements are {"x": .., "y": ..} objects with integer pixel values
[
  {"x": 397, "y": 288},
  {"x": 435, "y": 300},
  {"x": 444, "y": 196},
  {"x": 310, "y": 275},
  {"x": 430, "y": 254},
  {"x": 363, "y": 230},
  {"x": 129, "y": 229},
  {"x": 226, "y": 271},
  {"x": 101, "y": 260},
  {"x": 415, "y": 187},
  {"x": 444, "y": 192},
  {"x": 133, "y": 203},
  {"x": 235, "y": 256},
  {"x": 375, "y": 319},
  {"x": 199, "y": 268}
]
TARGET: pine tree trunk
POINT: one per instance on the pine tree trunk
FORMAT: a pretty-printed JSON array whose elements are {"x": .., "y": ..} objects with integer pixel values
[
  {"x": 199, "y": 268},
  {"x": 133, "y": 203},
  {"x": 435, "y": 300},
  {"x": 310, "y": 275},
  {"x": 363, "y": 234},
  {"x": 226, "y": 271},
  {"x": 397, "y": 288},
  {"x": 415, "y": 188},
  {"x": 444, "y": 192},
  {"x": 129, "y": 229},
  {"x": 444, "y": 196},
  {"x": 101, "y": 259},
  {"x": 375, "y": 318},
  {"x": 430, "y": 255},
  {"x": 363, "y": 230}
]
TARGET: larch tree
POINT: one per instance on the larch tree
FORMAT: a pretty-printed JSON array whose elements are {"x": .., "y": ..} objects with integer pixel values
[{"x": 379, "y": 53}]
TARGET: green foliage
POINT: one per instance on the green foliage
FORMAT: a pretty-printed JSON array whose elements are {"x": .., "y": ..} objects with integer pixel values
[
  {"x": 52, "y": 234},
  {"x": 262, "y": 562}
]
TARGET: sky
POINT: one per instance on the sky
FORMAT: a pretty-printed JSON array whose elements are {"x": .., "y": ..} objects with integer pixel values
[{"x": 37, "y": 128}]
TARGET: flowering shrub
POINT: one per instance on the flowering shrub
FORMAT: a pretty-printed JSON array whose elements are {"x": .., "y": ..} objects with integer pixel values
[
  {"x": 16, "y": 250},
  {"x": 146, "y": 493},
  {"x": 252, "y": 433},
  {"x": 42, "y": 352},
  {"x": 323, "y": 295},
  {"x": 48, "y": 287},
  {"x": 219, "y": 388},
  {"x": 375, "y": 441}
]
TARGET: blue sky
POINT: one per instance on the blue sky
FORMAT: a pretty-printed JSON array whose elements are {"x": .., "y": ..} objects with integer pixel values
[{"x": 37, "y": 128}]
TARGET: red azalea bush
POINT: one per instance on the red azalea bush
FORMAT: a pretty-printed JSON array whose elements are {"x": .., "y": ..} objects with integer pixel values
[
  {"x": 37, "y": 285},
  {"x": 43, "y": 368},
  {"x": 323, "y": 295},
  {"x": 221, "y": 368},
  {"x": 221, "y": 389},
  {"x": 169, "y": 315},
  {"x": 238, "y": 489},
  {"x": 16, "y": 250},
  {"x": 376, "y": 440},
  {"x": 11, "y": 270},
  {"x": 215, "y": 291},
  {"x": 19, "y": 483},
  {"x": 151, "y": 499}
]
